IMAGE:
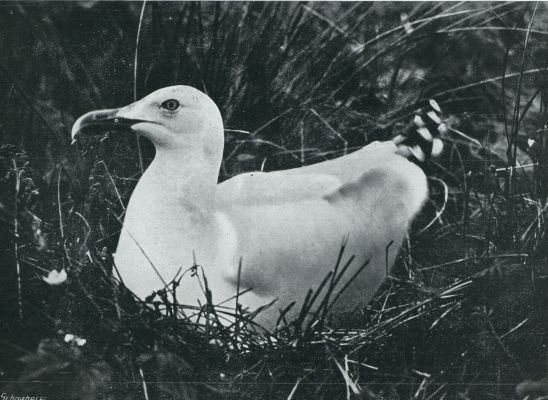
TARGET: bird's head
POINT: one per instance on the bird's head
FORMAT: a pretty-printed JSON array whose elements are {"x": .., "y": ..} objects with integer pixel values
[{"x": 173, "y": 118}]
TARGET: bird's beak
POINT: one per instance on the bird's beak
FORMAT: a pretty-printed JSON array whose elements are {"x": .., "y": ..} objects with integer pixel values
[{"x": 95, "y": 122}]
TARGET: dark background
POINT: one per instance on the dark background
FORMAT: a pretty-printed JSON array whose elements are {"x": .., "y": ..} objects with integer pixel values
[{"x": 296, "y": 83}]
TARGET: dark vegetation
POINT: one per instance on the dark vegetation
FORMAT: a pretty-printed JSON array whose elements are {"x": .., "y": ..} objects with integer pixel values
[{"x": 463, "y": 314}]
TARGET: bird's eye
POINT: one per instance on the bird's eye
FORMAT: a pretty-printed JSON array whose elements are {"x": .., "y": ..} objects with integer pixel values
[{"x": 171, "y": 105}]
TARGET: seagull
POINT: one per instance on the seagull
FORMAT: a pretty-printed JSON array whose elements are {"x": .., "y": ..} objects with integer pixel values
[{"x": 270, "y": 235}]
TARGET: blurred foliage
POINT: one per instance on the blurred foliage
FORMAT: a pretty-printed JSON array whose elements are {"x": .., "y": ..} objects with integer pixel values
[{"x": 296, "y": 83}]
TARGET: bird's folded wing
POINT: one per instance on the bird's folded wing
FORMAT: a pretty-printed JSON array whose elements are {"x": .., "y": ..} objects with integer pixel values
[
  {"x": 310, "y": 182},
  {"x": 261, "y": 188}
]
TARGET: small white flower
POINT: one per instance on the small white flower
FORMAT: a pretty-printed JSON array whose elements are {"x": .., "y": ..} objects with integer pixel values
[
  {"x": 55, "y": 277},
  {"x": 407, "y": 26},
  {"x": 78, "y": 341},
  {"x": 69, "y": 337}
]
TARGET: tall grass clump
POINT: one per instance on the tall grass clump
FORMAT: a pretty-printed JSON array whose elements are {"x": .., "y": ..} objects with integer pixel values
[{"x": 463, "y": 312}]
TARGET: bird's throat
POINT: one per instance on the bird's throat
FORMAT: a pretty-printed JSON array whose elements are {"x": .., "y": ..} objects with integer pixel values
[
  {"x": 189, "y": 179},
  {"x": 172, "y": 198}
]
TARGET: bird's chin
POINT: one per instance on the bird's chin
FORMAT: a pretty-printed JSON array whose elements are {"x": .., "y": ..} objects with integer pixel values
[{"x": 149, "y": 130}]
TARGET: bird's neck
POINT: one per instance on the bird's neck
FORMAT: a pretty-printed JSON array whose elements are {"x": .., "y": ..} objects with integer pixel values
[{"x": 179, "y": 180}]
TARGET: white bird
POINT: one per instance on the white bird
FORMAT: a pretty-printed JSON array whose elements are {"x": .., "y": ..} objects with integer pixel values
[{"x": 286, "y": 226}]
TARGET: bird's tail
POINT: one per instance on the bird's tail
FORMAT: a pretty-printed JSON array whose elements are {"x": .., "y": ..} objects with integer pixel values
[{"x": 422, "y": 141}]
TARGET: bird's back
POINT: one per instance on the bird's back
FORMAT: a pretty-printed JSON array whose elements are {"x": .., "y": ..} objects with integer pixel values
[{"x": 290, "y": 225}]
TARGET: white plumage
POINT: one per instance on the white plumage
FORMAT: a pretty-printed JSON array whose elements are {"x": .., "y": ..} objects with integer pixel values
[{"x": 287, "y": 226}]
